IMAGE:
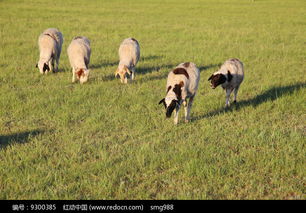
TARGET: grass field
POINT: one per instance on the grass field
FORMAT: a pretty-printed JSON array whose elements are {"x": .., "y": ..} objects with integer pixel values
[{"x": 106, "y": 140}]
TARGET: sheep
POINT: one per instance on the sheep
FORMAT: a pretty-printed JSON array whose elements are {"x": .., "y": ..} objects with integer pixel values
[
  {"x": 182, "y": 83},
  {"x": 79, "y": 57},
  {"x": 50, "y": 47},
  {"x": 230, "y": 76},
  {"x": 129, "y": 53}
]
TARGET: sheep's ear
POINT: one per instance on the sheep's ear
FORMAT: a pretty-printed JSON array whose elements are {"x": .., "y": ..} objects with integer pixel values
[
  {"x": 116, "y": 73},
  {"x": 36, "y": 66},
  {"x": 127, "y": 70},
  {"x": 163, "y": 101},
  {"x": 181, "y": 84},
  {"x": 46, "y": 67},
  {"x": 210, "y": 77},
  {"x": 229, "y": 76},
  {"x": 169, "y": 87}
]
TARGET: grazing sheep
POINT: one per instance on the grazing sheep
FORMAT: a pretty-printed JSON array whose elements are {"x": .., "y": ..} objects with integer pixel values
[
  {"x": 79, "y": 57},
  {"x": 129, "y": 53},
  {"x": 50, "y": 47},
  {"x": 230, "y": 76},
  {"x": 182, "y": 83}
]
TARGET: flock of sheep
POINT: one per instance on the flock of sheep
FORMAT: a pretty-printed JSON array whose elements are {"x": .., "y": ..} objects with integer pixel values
[{"x": 182, "y": 83}]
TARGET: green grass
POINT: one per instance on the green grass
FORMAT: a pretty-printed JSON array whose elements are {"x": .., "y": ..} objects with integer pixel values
[{"x": 105, "y": 140}]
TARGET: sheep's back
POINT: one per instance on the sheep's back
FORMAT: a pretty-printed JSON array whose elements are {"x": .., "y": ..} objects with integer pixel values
[
  {"x": 55, "y": 33},
  {"x": 45, "y": 42},
  {"x": 194, "y": 76},
  {"x": 191, "y": 82},
  {"x": 78, "y": 52},
  {"x": 236, "y": 68},
  {"x": 129, "y": 51}
]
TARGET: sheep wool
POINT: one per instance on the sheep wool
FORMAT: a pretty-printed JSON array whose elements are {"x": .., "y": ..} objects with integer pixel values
[
  {"x": 50, "y": 46},
  {"x": 182, "y": 84},
  {"x": 229, "y": 76},
  {"x": 129, "y": 53},
  {"x": 79, "y": 57}
]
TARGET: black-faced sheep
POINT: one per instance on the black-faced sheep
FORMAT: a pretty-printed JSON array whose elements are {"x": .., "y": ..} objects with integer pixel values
[
  {"x": 182, "y": 84},
  {"x": 230, "y": 76}
]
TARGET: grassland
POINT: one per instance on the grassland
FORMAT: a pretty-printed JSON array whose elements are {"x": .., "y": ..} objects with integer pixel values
[{"x": 105, "y": 140}]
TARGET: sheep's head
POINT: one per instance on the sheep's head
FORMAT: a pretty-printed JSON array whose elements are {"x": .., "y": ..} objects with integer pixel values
[
  {"x": 217, "y": 79},
  {"x": 82, "y": 75},
  {"x": 170, "y": 104},
  {"x": 123, "y": 72},
  {"x": 43, "y": 67},
  {"x": 173, "y": 99}
]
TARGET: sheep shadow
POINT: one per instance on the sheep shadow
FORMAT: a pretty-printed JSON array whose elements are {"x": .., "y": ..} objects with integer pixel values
[
  {"x": 162, "y": 75},
  {"x": 18, "y": 138},
  {"x": 149, "y": 69},
  {"x": 63, "y": 70},
  {"x": 103, "y": 64},
  {"x": 150, "y": 57},
  {"x": 269, "y": 95},
  {"x": 145, "y": 71},
  {"x": 206, "y": 67},
  {"x": 116, "y": 62}
]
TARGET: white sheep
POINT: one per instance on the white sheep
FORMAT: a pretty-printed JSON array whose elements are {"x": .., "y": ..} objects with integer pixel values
[
  {"x": 230, "y": 76},
  {"x": 182, "y": 83},
  {"x": 129, "y": 53},
  {"x": 79, "y": 57},
  {"x": 50, "y": 47}
]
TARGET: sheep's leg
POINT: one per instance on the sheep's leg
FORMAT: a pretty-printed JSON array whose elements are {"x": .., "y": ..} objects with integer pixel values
[
  {"x": 133, "y": 74},
  {"x": 125, "y": 80},
  {"x": 176, "y": 116},
  {"x": 50, "y": 65},
  {"x": 228, "y": 94},
  {"x": 53, "y": 67},
  {"x": 121, "y": 79},
  {"x": 56, "y": 67},
  {"x": 186, "y": 110},
  {"x": 235, "y": 94},
  {"x": 73, "y": 75},
  {"x": 187, "y": 115}
]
